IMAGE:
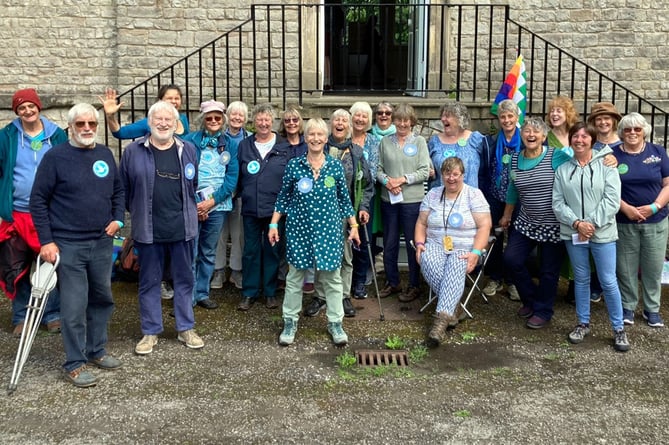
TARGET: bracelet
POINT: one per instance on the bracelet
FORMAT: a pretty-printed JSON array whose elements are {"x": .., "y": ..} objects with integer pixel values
[
  {"x": 273, "y": 226},
  {"x": 120, "y": 224},
  {"x": 384, "y": 181},
  {"x": 653, "y": 208},
  {"x": 477, "y": 252},
  {"x": 576, "y": 224}
]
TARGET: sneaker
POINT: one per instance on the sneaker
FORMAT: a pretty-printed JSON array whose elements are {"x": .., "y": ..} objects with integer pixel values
[
  {"x": 536, "y": 322},
  {"x": 308, "y": 288},
  {"x": 596, "y": 297},
  {"x": 236, "y": 278},
  {"x": 620, "y": 342},
  {"x": 513, "y": 292},
  {"x": 105, "y": 362},
  {"x": 628, "y": 316},
  {"x": 360, "y": 291},
  {"x": 53, "y": 327},
  {"x": 218, "y": 279},
  {"x": 80, "y": 377},
  {"x": 492, "y": 288},
  {"x": 579, "y": 333},
  {"x": 166, "y": 291},
  {"x": 271, "y": 303},
  {"x": 525, "y": 312},
  {"x": 653, "y": 318},
  {"x": 314, "y": 307},
  {"x": 190, "y": 339},
  {"x": 146, "y": 344},
  {"x": 337, "y": 333},
  {"x": 389, "y": 290},
  {"x": 207, "y": 303},
  {"x": 409, "y": 295},
  {"x": 245, "y": 304},
  {"x": 287, "y": 336},
  {"x": 349, "y": 310}
]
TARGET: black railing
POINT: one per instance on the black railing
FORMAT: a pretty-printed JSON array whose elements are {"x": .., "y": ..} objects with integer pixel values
[{"x": 288, "y": 53}]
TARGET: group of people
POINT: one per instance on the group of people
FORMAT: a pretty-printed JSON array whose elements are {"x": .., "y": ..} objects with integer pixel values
[{"x": 591, "y": 190}]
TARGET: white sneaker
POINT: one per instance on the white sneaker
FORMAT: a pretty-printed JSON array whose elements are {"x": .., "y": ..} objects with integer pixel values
[
  {"x": 146, "y": 344},
  {"x": 190, "y": 339},
  {"x": 166, "y": 292},
  {"x": 217, "y": 280},
  {"x": 513, "y": 292},
  {"x": 492, "y": 288}
]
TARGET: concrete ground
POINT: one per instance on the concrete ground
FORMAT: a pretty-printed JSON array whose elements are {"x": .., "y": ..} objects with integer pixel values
[{"x": 493, "y": 380}]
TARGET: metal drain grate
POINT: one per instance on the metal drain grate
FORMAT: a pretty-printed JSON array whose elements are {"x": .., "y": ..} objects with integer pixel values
[{"x": 382, "y": 357}]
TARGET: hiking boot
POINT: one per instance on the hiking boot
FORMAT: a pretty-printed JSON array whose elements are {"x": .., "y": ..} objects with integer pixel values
[
  {"x": 287, "y": 336},
  {"x": 236, "y": 278},
  {"x": 314, "y": 307},
  {"x": 146, "y": 344},
  {"x": 536, "y": 322},
  {"x": 492, "y": 288},
  {"x": 105, "y": 362},
  {"x": 579, "y": 333},
  {"x": 513, "y": 292},
  {"x": 80, "y": 377},
  {"x": 628, "y": 316},
  {"x": 409, "y": 295},
  {"x": 653, "y": 319},
  {"x": 349, "y": 310},
  {"x": 18, "y": 330},
  {"x": 190, "y": 339},
  {"x": 166, "y": 291},
  {"x": 620, "y": 342},
  {"x": 337, "y": 333},
  {"x": 439, "y": 327},
  {"x": 217, "y": 279},
  {"x": 360, "y": 291},
  {"x": 308, "y": 288},
  {"x": 53, "y": 327},
  {"x": 389, "y": 290}
]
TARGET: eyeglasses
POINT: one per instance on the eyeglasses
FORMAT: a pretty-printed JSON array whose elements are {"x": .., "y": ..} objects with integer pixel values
[
  {"x": 82, "y": 124},
  {"x": 288, "y": 120},
  {"x": 384, "y": 113},
  {"x": 632, "y": 129},
  {"x": 451, "y": 175},
  {"x": 213, "y": 118}
]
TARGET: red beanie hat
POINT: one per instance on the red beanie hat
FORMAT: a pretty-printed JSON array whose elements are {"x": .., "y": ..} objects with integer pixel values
[{"x": 26, "y": 95}]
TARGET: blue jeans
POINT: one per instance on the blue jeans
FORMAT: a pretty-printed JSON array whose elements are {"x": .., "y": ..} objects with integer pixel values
[
  {"x": 22, "y": 297},
  {"x": 151, "y": 257},
  {"x": 86, "y": 304},
  {"x": 205, "y": 244},
  {"x": 260, "y": 261},
  {"x": 396, "y": 217},
  {"x": 539, "y": 298},
  {"x": 604, "y": 255}
]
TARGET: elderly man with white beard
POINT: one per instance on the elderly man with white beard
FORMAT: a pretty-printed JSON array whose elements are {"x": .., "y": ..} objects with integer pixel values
[{"x": 77, "y": 206}]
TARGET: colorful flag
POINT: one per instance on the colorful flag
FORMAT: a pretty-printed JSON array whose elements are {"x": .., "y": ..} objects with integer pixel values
[{"x": 515, "y": 88}]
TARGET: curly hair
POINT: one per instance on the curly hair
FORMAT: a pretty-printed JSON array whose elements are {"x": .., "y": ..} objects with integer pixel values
[{"x": 569, "y": 110}]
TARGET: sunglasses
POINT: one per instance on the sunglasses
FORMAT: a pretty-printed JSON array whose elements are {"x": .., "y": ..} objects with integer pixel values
[
  {"x": 288, "y": 120},
  {"x": 384, "y": 113},
  {"x": 82, "y": 124},
  {"x": 213, "y": 118},
  {"x": 632, "y": 129}
]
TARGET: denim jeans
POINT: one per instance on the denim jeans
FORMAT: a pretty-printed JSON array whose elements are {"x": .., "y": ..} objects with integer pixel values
[
  {"x": 260, "y": 261},
  {"x": 204, "y": 253},
  {"x": 398, "y": 217},
  {"x": 151, "y": 266},
  {"x": 22, "y": 297},
  {"x": 539, "y": 298},
  {"x": 86, "y": 304},
  {"x": 604, "y": 255}
]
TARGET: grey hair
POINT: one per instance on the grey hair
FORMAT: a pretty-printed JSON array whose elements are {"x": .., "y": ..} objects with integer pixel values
[
  {"x": 537, "y": 123},
  {"x": 363, "y": 107},
  {"x": 508, "y": 106},
  {"x": 80, "y": 110},
  {"x": 384, "y": 104},
  {"x": 634, "y": 119},
  {"x": 318, "y": 124},
  {"x": 459, "y": 111},
  {"x": 161, "y": 105},
  {"x": 340, "y": 112},
  {"x": 237, "y": 105},
  {"x": 264, "y": 109}
]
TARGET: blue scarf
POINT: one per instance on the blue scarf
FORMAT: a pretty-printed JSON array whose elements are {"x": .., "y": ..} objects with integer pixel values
[
  {"x": 210, "y": 140},
  {"x": 514, "y": 145},
  {"x": 376, "y": 131}
]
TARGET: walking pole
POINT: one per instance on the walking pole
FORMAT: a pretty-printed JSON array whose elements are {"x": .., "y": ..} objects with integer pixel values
[
  {"x": 371, "y": 261},
  {"x": 43, "y": 281}
]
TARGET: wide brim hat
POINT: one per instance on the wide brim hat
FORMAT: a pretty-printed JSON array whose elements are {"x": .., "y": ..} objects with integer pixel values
[{"x": 602, "y": 108}]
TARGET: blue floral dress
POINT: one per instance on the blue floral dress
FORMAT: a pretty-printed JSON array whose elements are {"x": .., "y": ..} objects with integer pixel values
[{"x": 469, "y": 150}]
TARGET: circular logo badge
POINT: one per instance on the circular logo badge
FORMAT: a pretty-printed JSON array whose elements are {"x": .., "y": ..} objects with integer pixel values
[
  {"x": 512, "y": 175},
  {"x": 100, "y": 169},
  {"x": 623, "y": 168},
  {"x": 305, "y": 185},
  {"x": 207, "y": 156},
  {"x": 506, "y": 158},
  {"x": 410, "y": 150},
  {"x": 253, "y": 167},
  {"x": 462, "y": 142},
  {"x": 189, "y": 171},
  {"x": 455, "y": 220},
  {"x": 449, "y": 153},
  {"x": 329, "y": 181},
  {"x": 224, "y": 159}
]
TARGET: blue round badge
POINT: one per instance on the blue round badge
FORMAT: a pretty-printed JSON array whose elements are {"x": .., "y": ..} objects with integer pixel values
[
  {"x": 410, "y": 150},
  {"x": 305, "y": 185},
  {"x": 253, "y": 167},
  {"x": 189, "y": 171},
  {"x": 455, "y": 220},
  {"x": 224, "y": 159},
  {"x": 100, "y": 169},
  {"x": 449, "y": 153}
]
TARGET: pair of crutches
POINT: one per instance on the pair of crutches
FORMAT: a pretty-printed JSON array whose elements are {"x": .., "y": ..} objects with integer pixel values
[{"x": 43, "y": 281}]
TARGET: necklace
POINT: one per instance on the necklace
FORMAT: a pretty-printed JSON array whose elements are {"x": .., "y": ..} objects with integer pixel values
[
  {"x": 312, "y": 165},
  {"x": 643, "y": 147}
]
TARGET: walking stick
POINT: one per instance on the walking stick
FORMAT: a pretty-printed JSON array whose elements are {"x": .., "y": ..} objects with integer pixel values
[{"x": 371, "y": 261}]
